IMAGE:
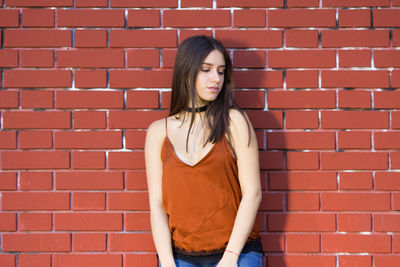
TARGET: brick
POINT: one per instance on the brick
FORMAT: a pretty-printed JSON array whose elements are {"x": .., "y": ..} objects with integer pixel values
[
  {"x": 301, "y": 38},
  {"x": 35, "y": 139},
  {"x": 36, "y": 99},
  {"x": 37, "y": 58},
  {"x": 36, "y": 260},
  {"x": 354, "y": 99},
  {"x": 395, "y": 160},
  {"x": 140, "y": 78},
  {"x": 355, "y": 78},
  {"x": 126, "y": 160},
  {"x": 88, "y": 160},
  {"x": 141, "y": 260},
  {"x": 354, "y": 18},
  {"x": 135, "y": 180},
  {"x": 354, "y": 38},
  {"x": 302, "y": 201},
  {"x": 355, "y": 180},
  {"x": 301, "y": 59},
  {"x": 90, "y": 38},
  {"x": 386, "y": 17},
  {"x": 141, "y": 58},
  {"x": 37, "y": 78},
  {"x": 128, "y": 201},
  {"x": 271, "y": 160},
  {"x": 258, "y": 79},
  {"x": 300, "y": 140},
  {"x": 272, "y": 202},
  {"x": 273, "y": 242},
  {"x": 8, "y": 140},
  {"x": 144, "y": 3},
  {"x": 7, "y": 260},
  {"x": 386, "y": 261},
  {"x": 301, "y": 99},
  {"x": 8, "y": 181},
  {"x": 87, "y": 260},
  {"x": 143, "y": 38},
  {"x": 168, "y": 58},
  {"x": 309, "y": 180},
  {"x": 186, "y": 33},
  {"x": 355, "y": 260},
  {"x": 301, "y": 119},
  {"x": 395, "y": 78},
  {"x": 8, "y": 57},
  {"x": 355, "y": 3},
  {"x": 250, "y": 38},
  {"x": 303, "y": 243},
  {"x": 249, "y": 59},
  {"x": 34, "y": 222},
  {"x": 302, "y": 160},
  {"x": 35, "y": 201},
  {"x": 387, "y": 58},
  {"x": 249, "y": 3},
  {"x": 9, "y": 99},
  {"x": 8, "y": 222},
  {"x": 354, "y": 160},
  {"x": 34, "y": 160},
  {"x": 35, "y": 180},
  {"x": 89, "y": 180},
  {"x": 196, "y": 18},
  {"x": 165, "y": 99},
  {"x": 250, "y": 98},
  {"x": 301, "y": 260},
  {"x": 354, "y": 119},
  {"x": 387, "y": 140},
  {"x": 88, "y": 139},
  {"x": 355, "y": 201},
  {"x": 90, "y": 78},
  {"x": 9, "y": 18},
  {"x": 36, "y": 119},
  {"x": 354, "y": 58},
  {"x": 21, "y": 242},
  {"x": 142, "y": 99},
  {"x": 387, "y": 99},
  {"x": 90, "y": 18},
  {"x": 87, "y": 119},
  {"x": 354, "y": 222},
  {"x": 301, "y": 78},
  {"x": 89, "y": 242},
  {"x": 38, "y": 18},
  {"x": 249, "y": 18},
  {"x": 91, "y": 58},
  {"x": 395, "y": 37},
  {"x": 266, "y": 119},
  {"x": 387, "y": 181},
  {"x": 88, "y": 201},
  {"x": 134, "y": 119},
  {"x": 396, "y": 243},
  {"x": 354, "y": 140},
  {"x": 91, "y": 3},
  {"x": 88, "y": 221},
  {"x": 302, "y": 3},
  {"x": 37, "y": 38},
  {"x": 131, "y": 242},
  {"x": 395, "y": 201},
  {"x": 89, "y": 99},
  {"x": 137, "y": 221},
  {"x": 196, "y": 3},
  {"x": 386, "y": 222},
  {"x": 39, "y": 3},
  {"x": 143, "y": 18},
  {"x": 290, "y": 18},
  {"x": 355, "y": 243},
  {"x": 296, "y": 222}
]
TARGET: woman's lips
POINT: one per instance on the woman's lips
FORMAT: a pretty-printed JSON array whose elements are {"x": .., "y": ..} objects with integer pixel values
[{"x": 213, "y": 89}]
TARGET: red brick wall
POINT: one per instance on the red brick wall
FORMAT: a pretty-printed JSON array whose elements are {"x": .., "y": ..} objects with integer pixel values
[{"x": 81, "y": 80}]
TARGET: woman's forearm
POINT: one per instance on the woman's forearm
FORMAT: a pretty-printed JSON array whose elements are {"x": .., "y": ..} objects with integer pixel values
[{"x": 162, "y": 236}]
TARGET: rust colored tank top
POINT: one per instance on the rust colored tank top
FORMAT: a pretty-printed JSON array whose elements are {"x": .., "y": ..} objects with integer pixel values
[{"x": 201, "y": 200}]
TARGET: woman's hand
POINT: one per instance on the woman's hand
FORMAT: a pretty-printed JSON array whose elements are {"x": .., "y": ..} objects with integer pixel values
[{"x": 228, "y": 260}]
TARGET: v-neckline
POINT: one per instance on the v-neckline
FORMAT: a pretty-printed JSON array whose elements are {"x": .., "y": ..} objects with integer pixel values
[{"x": 183, "y": 162}]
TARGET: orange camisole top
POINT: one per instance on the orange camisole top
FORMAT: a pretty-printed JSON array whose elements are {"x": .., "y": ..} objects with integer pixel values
[{"x": 201, "y": 200}]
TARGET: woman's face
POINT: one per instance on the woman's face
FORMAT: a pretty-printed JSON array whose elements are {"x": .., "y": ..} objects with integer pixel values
[{"x": 210, "y": 78}]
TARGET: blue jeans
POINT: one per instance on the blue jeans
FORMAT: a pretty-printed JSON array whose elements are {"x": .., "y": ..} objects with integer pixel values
[{"x": 249, "y": 259}]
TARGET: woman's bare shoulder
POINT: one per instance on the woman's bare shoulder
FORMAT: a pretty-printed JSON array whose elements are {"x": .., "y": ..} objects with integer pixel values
[{"x": 156, "y": 131}]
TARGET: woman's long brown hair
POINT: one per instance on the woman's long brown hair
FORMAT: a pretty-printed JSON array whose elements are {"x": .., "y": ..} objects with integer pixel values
[{"x": 191, "y": 55}]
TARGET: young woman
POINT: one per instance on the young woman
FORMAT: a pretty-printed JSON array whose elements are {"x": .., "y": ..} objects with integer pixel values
[{"x": 202, "y": 167}]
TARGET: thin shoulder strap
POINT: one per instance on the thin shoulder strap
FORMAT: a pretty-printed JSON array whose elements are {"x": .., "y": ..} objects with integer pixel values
[{"x": 166, "y": 131}]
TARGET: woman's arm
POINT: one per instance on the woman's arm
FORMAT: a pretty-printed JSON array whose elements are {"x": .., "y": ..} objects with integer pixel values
[
  {"x": 249, "y": 179},
  {"x": 158, "y": 218}
]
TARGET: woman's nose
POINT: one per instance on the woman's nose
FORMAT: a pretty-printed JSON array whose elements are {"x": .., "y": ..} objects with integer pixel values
[{"x": 215, "y": 76}]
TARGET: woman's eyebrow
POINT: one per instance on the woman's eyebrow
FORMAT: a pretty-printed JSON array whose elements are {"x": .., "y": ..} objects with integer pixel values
[{"x": 205, "y": 63}]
